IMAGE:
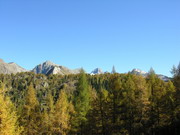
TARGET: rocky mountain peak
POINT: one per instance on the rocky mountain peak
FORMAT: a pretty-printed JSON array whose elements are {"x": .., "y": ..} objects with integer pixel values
[
  {"x": 97, "y": 71},
  {"x": 138, "y": 72},
  {"x": 49, "y": 63},
  {"x": 49, "y": 67}
]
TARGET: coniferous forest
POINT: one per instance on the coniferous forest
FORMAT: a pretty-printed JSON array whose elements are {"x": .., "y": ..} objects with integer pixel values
[{"x": 82, "y": 104}]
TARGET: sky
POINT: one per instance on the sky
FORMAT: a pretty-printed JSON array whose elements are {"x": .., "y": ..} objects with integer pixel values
[{"x": 92, "y": 33}]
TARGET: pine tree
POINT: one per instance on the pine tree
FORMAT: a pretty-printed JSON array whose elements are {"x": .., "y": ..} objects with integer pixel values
[{"x": 8, "y": 117}]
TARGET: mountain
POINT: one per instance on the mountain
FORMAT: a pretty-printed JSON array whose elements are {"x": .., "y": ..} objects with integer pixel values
[
  {"x": 139, "y": 72},
  {"x": 48, "y": 68},
  {"x": 8, "y": 68},
  {"x": 96, "y": 71},
  {"x": 145, "y": 74},
  {"x": 164, "y": 78}
]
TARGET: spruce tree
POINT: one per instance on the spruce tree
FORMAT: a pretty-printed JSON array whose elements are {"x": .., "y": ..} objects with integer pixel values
[
  {"x": 175, "y": 71},
  {"x": 113, "y": 70},
  {"x": 81, "y": 102}
]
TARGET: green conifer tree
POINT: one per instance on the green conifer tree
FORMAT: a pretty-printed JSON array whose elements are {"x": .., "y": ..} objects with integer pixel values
[{"x": 81, "y": 102}]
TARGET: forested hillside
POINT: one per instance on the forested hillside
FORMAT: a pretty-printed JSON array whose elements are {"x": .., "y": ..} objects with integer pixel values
[{"x": 81, "y": 104}]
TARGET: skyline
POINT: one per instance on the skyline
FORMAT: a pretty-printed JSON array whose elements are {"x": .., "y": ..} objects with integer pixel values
[
  {"x": 91, "y": 34},
  {"x": 113, "y": 70}
]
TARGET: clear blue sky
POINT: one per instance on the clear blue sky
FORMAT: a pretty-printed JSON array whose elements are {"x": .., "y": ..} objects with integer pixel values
[{"x": 92, "y": 33}]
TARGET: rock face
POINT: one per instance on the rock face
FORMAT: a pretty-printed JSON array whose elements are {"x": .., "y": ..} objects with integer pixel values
[
  {"x": 48, "y": 68},
  {"x": 8, "y": 68},
  {"x": 97, "y": 71}
]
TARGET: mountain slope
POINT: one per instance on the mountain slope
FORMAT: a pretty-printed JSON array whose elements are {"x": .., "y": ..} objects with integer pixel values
[{"x": 8, "y": 68}]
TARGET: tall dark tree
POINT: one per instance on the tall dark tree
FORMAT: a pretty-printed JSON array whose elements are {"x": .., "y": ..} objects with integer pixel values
[
  {"x": 113, "y": 70},
  {"x": 175, "y": 71},
  {"x": 81, "y": 102},
  {"x": 176, "y": 82}
]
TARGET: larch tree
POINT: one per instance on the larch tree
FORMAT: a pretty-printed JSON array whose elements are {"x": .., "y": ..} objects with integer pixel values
[
  {"x": 115, "y": 87},
  {"x": 61, "y": 114},
  {"x": 30, "y": 115},
  {"x": 8, "y": 117},
  {"x": 48, "y": 115},
  {"x": 157, "y": 90}
]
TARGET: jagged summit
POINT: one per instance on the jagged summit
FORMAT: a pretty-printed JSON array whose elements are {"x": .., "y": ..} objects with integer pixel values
[
  {"x": 96, "y": 71},
  {"x": 48, "y": 62}
]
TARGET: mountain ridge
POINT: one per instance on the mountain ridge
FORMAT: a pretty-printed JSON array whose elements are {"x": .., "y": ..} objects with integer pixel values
[
  {"x": 49, "y": 67},
  {"x": 10, "y": 68}
]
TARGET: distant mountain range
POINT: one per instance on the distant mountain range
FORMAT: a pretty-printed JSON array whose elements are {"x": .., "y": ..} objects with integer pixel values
[{"x": 49, "y": 67}]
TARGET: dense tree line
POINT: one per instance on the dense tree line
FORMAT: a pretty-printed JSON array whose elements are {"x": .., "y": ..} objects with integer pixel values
[{"x": 106, "y": 104}]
